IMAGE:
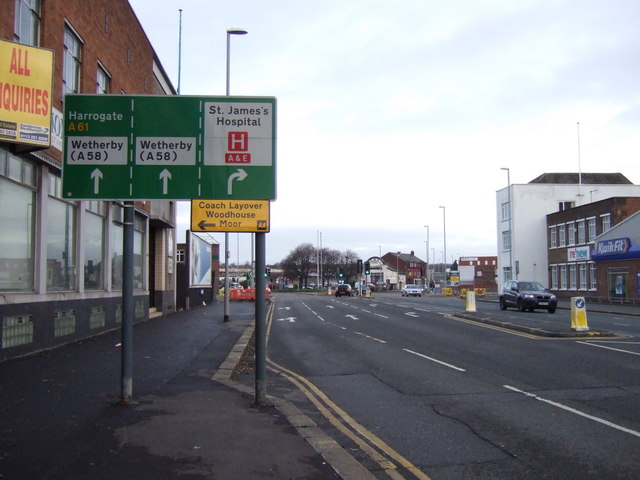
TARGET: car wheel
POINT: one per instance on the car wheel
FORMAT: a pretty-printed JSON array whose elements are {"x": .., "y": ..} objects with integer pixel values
[
  {"x": 503, "y": 305},
  {"x": 520, "y": 305},
  {"x": 551, "y": 309}
]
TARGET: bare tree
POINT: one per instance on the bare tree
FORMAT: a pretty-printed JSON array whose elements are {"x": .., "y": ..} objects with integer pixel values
[{"x": 299, "y": 263}]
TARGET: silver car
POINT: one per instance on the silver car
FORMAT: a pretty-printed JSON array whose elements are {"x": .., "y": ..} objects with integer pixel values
[{"x": 411, "y": 289}]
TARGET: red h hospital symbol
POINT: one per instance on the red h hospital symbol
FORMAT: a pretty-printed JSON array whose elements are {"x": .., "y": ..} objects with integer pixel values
[{"x": 238, "y": 141}]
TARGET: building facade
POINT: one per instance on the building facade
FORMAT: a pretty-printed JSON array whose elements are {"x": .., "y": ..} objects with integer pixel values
[
  {"x": 60, "y": 260},
  {"x": 522, "y": 209},
  {"x": 479, "y": 272},
  {"x": 571, "y": 240},
  {"x": 407, "y": 266},
  {"x": 617, "y": 258}
]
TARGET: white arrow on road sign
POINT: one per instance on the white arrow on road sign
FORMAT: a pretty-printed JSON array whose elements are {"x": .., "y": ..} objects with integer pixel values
[
  {"x": 96, "y": 176},
  {"x": 165, "y": 176},
  {"x": 239, "y": 175},
  {"x": 288, "y": 319}
]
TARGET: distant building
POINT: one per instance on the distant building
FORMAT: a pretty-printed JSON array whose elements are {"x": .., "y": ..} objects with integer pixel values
[
  {"x": 478, "y": 272},
  {"x": 405, "y": 265},
  {"x": 522, "y": 210},
  {"x": 61, "y": 260}
]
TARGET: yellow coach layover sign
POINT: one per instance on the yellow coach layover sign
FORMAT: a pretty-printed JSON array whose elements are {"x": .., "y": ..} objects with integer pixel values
[{"x": 230, "y": 216}]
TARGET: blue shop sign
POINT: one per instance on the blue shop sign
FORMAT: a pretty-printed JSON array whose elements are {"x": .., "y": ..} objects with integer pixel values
[{"x": 616, "y": 249}]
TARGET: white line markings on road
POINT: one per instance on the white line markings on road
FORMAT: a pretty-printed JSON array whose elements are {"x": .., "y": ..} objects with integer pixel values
[
  {"x": 412, "y": 314},
  {"x": 610, "y": 348},
  {"x": 288, "y": 319},
  {"x": 353, "y": 317},
  {"x": 370, "y": 338},
  {"x": 435, "y": 360},
  {"x": 573, "y": 410},
  {"x": 379, "y": 315}
]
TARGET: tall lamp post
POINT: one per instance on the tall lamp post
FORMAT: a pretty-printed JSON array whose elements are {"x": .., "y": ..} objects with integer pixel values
[
  {"x": 398, "y": 269},
  {"x": 444, "y": 225},
  {"x": 426, "y": 276},
  {"x": 230, "y": 31},
  {"x": 511, "y": 272}
]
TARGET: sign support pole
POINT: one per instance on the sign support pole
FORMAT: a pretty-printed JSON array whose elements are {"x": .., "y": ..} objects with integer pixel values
[
  {"x": 261, "y": 323},
  {"x": 127, "y": 305}
]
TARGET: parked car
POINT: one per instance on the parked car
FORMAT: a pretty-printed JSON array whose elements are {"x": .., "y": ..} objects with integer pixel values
[
  {"x": 525, "y": 295},
  {"x": 344, "y": 289},
  {"x": 411, "y": 289}
]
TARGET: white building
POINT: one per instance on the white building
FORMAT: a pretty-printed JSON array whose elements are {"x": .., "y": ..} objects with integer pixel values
[{"x": 521, "y": 216}]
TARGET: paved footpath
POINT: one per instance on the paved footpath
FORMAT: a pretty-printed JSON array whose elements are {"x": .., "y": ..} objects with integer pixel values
[{"x": 62, "y": 419}]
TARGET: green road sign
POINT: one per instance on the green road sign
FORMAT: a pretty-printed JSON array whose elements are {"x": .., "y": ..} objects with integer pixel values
[{"x": 128, "y": 147}]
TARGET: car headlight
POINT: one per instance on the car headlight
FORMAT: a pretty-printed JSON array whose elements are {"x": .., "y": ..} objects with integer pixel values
[{"x": 529, "y": 295}]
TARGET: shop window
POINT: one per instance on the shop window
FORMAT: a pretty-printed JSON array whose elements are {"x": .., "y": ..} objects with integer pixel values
[
  {"x": 93, "y": 242},
  {"x": 618, "y": 283},
  {"x": 17, "y": 213}
]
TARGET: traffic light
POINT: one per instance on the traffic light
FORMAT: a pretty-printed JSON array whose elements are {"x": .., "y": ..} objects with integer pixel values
[
  {"x": 340, "y": 274},
  {"x": 267, "y": 272},
  {"x": 367, "y": 268},
  {"x": 359, "y": 266}
]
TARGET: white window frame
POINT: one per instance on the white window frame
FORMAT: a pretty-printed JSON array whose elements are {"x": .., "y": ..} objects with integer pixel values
[
  {"x": 71, "y": 61},
  {"x": 26, "y": 28},
  {"x": 553, "y": 236},
  {"x": 571, "y": 233},
  {"x": 591, "y": 221},
  {"x": 582, "y": 232},
  {"x": 562, "y": 236}
]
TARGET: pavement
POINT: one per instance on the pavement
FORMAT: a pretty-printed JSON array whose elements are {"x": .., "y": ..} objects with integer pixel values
[{"x": 190, "y": 418}]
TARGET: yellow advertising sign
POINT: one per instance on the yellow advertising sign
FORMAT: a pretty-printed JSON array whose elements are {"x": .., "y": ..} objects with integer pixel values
[
  {"x": 26, "y": 79},
  {"x": 230, "y": 216}
]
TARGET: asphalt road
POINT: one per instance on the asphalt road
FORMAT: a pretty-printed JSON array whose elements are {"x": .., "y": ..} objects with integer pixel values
[{"x": 416, "y": 392}]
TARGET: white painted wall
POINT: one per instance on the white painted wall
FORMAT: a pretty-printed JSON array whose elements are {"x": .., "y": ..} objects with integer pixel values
[{"x": 531, "y": 203}]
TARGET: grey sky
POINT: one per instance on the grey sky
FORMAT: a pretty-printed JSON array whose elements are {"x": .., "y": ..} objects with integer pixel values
[{"x": 387, "y": 110}]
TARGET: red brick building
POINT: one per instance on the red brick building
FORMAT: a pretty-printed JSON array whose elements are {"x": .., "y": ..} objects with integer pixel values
[
  {"x": 572, "y": 238},
  {"x": 61, "y": 276}
]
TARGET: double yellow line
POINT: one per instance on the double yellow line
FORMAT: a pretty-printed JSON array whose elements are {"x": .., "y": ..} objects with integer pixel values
[{"x": 386, "y": 457}]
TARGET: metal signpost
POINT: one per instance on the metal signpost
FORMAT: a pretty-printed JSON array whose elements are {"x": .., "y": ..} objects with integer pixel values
[{"x": 132, "y": 147}]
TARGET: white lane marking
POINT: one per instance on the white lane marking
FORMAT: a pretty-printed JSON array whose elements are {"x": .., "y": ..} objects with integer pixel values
[
  {"x": 383, "y": 316},
  {"x": 610, "y": 348},
  {"x": 412, "y": 314},
  {"x": 573, "y": 410},
  {"x": 353, "y": 317},
  {"x": 365, "y": 311},
  {"x": 435, "y": 360},
  {"x": 369, "y": 337},
  {"x": 288, "y": 319}
]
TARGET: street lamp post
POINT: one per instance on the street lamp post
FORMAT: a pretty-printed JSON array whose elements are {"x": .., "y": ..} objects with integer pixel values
[
  {"x": 511, "y": 272},
  {"x": 444, "y": 225},
  {"x": 398, "y": 269},
  {"x": 426, "y": 281},
  {"x": 230, "y": 31}
]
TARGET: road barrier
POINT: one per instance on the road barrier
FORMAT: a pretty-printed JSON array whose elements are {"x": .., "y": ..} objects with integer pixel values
[
  {"x": 246, "y": 294},
  {"x": 471, "y": 301},
  {"x": 579, "y": 314}
]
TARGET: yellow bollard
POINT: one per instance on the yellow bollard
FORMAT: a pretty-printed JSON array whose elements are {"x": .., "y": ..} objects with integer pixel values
[
  {"x": 579, "y": 314},
  {"x": 368, "y": 294},
  {"x": 471, "y": 301},
  {"x": 330, "y": 292}
]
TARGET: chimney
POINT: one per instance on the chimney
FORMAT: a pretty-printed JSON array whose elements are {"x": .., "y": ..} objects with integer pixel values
[{"x": 412, "y": 253}]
